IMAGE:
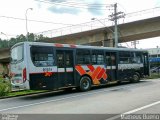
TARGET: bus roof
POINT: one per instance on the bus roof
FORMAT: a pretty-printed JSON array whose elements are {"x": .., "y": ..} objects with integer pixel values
[{"x": 77, "y": 46}]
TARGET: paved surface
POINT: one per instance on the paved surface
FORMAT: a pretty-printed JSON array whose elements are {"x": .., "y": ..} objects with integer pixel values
[{"x": 142, "y": 97}]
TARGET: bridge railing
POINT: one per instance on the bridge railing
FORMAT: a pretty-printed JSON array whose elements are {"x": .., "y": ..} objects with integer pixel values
[{"x": 129, "y": 17}]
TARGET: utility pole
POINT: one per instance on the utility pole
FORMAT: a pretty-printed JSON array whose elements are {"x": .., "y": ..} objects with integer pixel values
[
  {"x": 134, "y": 43},
  {"x": 115, "y": 26},
  {"x": 114, "y": 17}
]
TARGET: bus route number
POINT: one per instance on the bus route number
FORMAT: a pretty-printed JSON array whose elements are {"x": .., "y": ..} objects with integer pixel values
[{"x": 47, "y": 69}]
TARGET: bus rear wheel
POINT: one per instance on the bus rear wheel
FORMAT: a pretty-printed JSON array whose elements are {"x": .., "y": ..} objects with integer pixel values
[
  {"x": 85, "y": 84},
  {"x": 136, "y": 78}
]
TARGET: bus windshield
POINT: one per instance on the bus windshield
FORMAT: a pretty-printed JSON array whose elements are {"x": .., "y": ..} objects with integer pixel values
[{"x": 17, "y": 54}]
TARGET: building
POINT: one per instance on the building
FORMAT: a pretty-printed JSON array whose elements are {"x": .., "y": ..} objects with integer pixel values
[{"x": 154, "y": 54}]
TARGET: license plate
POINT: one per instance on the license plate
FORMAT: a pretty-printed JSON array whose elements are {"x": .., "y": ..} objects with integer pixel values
[{"x": 17, "y": 81}]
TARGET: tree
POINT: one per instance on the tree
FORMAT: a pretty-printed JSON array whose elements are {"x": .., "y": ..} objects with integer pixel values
[{"x": 21, "y": 38}]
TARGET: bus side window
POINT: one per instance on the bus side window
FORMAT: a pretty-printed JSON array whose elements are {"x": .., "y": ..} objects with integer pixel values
[
  {"x": 108, "y": 59},
  {"x": 69, "y": 61},
  {"x": 60, "y": 60},
  {"x": 83, "y": 56},
  {"x": 124, "y": 57},
  {"x": 97, "y": 57},
  {"x": 136, "y": 57},
  {"x": 113, "y": 59},
  {"x": 42, "y": 56}
]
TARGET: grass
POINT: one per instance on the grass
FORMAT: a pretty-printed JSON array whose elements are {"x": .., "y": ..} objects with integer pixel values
[
  {"x": 154, "y": 76},
  {"x": 25, "y": 92},
  {"x": 22, "y": 92}
]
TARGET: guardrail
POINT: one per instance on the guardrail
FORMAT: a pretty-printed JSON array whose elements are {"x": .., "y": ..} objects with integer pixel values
[{"x": 129, "y": 17}]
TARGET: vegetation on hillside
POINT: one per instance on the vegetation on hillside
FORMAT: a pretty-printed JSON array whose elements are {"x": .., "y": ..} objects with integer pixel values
[
  {"x": 20, "y": 38},
  {"x": 5, "y": 86}
]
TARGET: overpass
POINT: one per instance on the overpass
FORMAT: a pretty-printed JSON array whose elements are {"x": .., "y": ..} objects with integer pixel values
[
  {"x": 4, "y": 58},
  {"x": 136, "y": 30}
]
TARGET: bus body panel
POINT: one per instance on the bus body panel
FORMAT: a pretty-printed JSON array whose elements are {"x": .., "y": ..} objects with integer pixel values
[{"x": 19, "y": 70}]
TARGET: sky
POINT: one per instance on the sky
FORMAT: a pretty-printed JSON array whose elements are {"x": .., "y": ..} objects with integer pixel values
[{"x": 53, "y": 14}]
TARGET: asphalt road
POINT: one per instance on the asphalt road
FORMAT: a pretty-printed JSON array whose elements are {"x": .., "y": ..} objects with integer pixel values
[{"x": 137, "y": 98}]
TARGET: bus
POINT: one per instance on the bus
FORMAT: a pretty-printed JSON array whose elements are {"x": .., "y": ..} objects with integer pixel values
[{"x": 53, "y": 66}]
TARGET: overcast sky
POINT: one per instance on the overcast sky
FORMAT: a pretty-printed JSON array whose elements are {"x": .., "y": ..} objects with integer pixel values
[{"x": 61, "y": 13}]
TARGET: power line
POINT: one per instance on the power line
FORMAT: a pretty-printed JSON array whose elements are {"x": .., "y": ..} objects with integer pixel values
[{"x": 48, "y": 22}]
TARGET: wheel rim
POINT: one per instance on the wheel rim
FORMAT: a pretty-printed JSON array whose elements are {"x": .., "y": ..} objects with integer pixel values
[
  {"x": 85, "y": 83},
  {"x": 135, "y": 77}
]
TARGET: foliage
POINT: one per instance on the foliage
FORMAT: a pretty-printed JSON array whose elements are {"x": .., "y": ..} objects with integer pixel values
[
  {"x": 5, "y": 87},
  {"x": 25, "y": 92},
  {"x": 21, "y": 38},
  {"x": 154, "y": 76}
]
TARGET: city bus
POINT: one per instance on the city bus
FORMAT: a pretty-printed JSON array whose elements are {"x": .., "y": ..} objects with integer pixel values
[{"x": 53, "y": 66}]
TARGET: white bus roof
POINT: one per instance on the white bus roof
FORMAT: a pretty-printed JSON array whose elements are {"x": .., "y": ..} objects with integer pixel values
[{"x": 77, "y": 46}]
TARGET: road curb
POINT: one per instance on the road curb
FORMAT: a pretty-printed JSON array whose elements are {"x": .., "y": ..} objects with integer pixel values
[{"x": 30, "y": 94}]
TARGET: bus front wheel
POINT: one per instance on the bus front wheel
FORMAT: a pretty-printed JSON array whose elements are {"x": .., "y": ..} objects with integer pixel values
[{"x": 85, "y": 83}]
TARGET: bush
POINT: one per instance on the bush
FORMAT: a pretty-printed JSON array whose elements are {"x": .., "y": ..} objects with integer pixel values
[{"x": 5, "y": 87}]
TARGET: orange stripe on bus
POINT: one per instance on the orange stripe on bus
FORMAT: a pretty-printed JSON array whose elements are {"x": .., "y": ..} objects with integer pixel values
[
  {"x": 80, "y": 70},
  {"x": 105, "y": 76},
  {"x": 96, "y": 72}
]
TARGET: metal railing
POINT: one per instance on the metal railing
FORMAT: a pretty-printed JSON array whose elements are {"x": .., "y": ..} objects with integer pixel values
[{"x": 129, "y": 17}]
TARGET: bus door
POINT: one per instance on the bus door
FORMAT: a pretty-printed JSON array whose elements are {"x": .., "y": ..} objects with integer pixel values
[
  {"x": 65, "y": 68},
  {"x": 146, "y": 63},
  {"x": 111, "y": 65}
]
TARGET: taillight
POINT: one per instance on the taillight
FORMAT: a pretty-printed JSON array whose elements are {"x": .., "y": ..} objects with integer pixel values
[{"x": 24, "y": 74}]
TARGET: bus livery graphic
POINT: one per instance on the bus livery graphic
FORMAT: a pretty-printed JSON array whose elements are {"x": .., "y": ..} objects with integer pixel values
[
  {"x": 48, "y": 74},
  {"x": 95, "y": 73}
]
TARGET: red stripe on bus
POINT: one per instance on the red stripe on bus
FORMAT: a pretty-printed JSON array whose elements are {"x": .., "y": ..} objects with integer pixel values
[
  {"x": 58, "y": 45},
  {"x": 91, "y": 67},
  {"x": 80, "y": 70},
  {"x": 101, "y": 73},
  {"x": 41, "y": 73},
  {"x": 72, "y": 46}
]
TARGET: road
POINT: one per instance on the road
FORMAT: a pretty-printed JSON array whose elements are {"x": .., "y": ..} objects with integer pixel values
[{"x": 137, "y": 98}]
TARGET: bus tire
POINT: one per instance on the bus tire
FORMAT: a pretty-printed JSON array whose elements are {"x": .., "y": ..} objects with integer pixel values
[
  {"x": 136, "y": 78},
  {"x": 85, "y": 84}
]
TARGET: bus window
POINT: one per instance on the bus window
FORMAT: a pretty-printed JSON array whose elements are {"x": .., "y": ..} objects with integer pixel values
[
  {"x": 97, "y": 57},
  {"x": 42, "y": 56},
  {"x": 60, "y": 59},
  {"x": 17, "y": 54},
  {"x": 83, "y": 56},
  {"x": 124, "y": 57},
  {"x": 69, "y": 59},
  {"x": 136, "y": 57},
  {"x": 113, "y": 59},
  {"x": 108, "y": 59}
]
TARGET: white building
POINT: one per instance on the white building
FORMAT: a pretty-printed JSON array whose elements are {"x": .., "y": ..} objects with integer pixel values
[{"x": 154, "y": 52}]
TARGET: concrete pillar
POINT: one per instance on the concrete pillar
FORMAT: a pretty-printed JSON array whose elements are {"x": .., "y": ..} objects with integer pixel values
[
  {"x": 108, "y": 43},
  {"x": 4, "y": 69},
  {"x": 1, "y": 68}
]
